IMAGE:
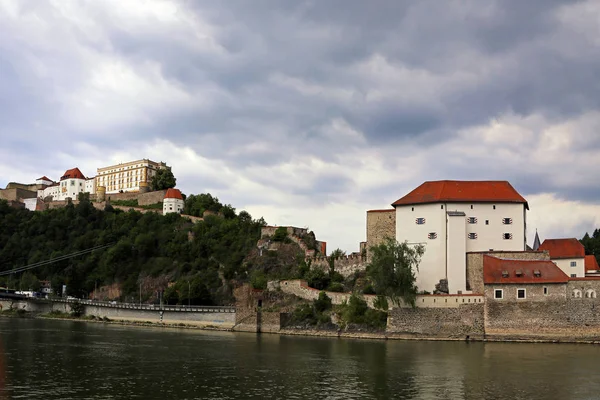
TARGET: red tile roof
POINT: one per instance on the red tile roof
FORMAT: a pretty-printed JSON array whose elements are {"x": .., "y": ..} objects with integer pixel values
[
  {"x": 591, "y": 263},
  {"x": 44, "y": 178},
  {"x": 173, "y": 194},
  {"x": 74, "y": 173},
  {"x": 462, "y": 191},
  {"x": 494, "y": 269},
  {"x": 563, "y": 248}
]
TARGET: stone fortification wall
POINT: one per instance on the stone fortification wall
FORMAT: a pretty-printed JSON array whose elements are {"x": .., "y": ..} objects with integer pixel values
[
  {"x": 458, "y": 322},
  {"x": 301, "y": 289},
  {"x": 291, "y": 230},
  {"x": 346, "y": 265},
  {"x": 557, "y": 315},
  {"x": 380, "y": 224},
  {"x": 475, "y": 264},
  {"x": 144, "y": 199},
  {"x": 17, "y": 194}
]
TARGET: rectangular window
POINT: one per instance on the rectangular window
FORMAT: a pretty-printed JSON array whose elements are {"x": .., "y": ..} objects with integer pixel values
[
  {"x": 507, "y": 236},
  {"x": 494, "y": 207},
  {"x": 442, "y": 206},
  {"x": 507, "y": 221},
  {"x": 72, "y": 183},
  {"x": 521, "y": 294},
  {"x": 471, "y": 206},
  {"x": 432, "y": 235},
  {"x": 573, "y": 263},
  {"x": 573, "y": 275},
  {"x": 420, "y": 221},
  {"x": 472, "y": 236},
  {"x": 487, "y": 221},
  {"x": 472, "y": 220},
  {"x": 498, "y": 294},
  {"x": 545, "y": 291}
]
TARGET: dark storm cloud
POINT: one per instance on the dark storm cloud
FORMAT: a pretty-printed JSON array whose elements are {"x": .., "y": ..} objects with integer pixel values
[{"x": 275, "y": 74}]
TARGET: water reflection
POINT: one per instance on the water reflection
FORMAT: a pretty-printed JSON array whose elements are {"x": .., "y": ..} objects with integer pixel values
[{"x": 73, "y": 360}]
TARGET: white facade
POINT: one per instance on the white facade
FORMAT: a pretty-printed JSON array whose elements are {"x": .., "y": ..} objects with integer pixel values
[
  {"x": 573, "y": 267},
  {"x": 70, "y": 188},
  {"x": 447, "y": 237},
  {"x": 172, "y": 205},
  {"x": 30, "y": 204},
  {"x": 127, "y": 177},
  {"x": 53, "y": 191},
  {"x": 90, "y": 186}
]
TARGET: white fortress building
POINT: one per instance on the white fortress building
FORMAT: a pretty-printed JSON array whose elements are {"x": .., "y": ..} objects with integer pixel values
[
  {"x": 128, "y": 177},
  {"x": 451, "y": 218},
  {"x": 173, "y": 202},
  {"x": 71, "y": 183}
]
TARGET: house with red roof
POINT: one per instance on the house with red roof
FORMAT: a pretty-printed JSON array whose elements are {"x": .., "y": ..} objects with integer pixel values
[
  {"x": 173, "y": 202},
  {"x": 451, "y": 218},
  {"x": 568, "y": 254},
  {"x": 523, "y": 280}
]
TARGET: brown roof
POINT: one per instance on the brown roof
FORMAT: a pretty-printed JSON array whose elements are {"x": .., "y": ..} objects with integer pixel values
[
  {"x": 74, "y": 173},
  {"x": 462, "y": 191},
  {"x": 173, "y": 194},
  {"x": 44, "y": 178},
  {"x": 563, "y": 248},
  {"x": 591, "y": 263},
  {"x": 381, "y": 211},
  {"x": 496, "y": 270}
]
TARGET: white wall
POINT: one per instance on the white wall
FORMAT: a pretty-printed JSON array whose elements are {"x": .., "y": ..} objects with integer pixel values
[
  {"x": 30, "y": 204},
  {"x": 490, "y": 236},
  {"x": 90, "y": 186},
  {"x": 457, "y": 254},
  {"x": 433, "y": 263},
  {"x": 172, "y": 205},
  {"x": 565, "y": 265},
  {"x": 70, "y": 188}
]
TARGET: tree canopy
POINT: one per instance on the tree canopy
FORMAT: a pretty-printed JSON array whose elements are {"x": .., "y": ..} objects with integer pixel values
[
  {"x": 206, "y": 254},
  {"x": 163, "y": 179},
  {"x": 592, "y": 244},
  {"x": 392, "y": 270}
]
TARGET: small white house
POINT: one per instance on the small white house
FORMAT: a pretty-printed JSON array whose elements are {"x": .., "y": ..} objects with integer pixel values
[
  {"x": 567, "y": 254},
  {"x": 173, "y": 202},
  {"x": 451, "y": 218},
  {"x": 71, "y": 184}
]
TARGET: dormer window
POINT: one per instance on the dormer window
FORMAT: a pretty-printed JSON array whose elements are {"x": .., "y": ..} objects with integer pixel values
[
  {"x": 537, "y": 273},
  {"x": 505, "y": 274},
  {"x": 519, "y": 272}
]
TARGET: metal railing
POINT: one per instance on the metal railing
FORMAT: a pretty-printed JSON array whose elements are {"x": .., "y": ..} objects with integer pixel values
[{"x": 147, "y": 307}]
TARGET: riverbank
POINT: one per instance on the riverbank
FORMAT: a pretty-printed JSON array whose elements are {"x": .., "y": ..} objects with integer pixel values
[{"x": 317, "y": 333}]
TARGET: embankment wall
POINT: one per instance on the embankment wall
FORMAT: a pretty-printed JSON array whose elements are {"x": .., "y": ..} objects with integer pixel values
[{"x": 223, "y": 320}]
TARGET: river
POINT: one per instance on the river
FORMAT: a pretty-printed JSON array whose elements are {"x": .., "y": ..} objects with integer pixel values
[{"x": 51, "y": 359}]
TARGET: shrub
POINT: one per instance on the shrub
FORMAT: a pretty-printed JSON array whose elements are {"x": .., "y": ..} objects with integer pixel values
[
  {"x": 381, "y": 303},
  {"x": 375, "y": 319},
  {"x": 258, "y": 280},
  {"x": 322, "y": 303},
  {"x": 77, "y": 309},
  {"x": 368, "y": 289},
  {"x": 304, "y": 313},
  {"x": 318, "y": 279},
  {"x": 356, "y": 309},
  {"x": 335, "y": 287},
  {"x": 280, "y": 234}
]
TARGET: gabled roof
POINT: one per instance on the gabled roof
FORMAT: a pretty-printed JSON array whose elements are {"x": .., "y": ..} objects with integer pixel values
[
  {"x": 497, "y": 271},
  {"x": 44, "y": 178},
  {"x": 563, "y": 248},
  {"x": 461, "y": 192},
  {"x": 591, "y": 263},
  {"x": 173, "y": 194},
  {"x": 74, "y": 173}
]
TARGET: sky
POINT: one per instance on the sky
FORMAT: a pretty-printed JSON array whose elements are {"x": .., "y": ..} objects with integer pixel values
[{"x": 309, "y": 113}]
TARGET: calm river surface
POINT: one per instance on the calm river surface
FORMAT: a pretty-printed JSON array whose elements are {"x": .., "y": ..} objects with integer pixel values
[{"x": 48, "y": 359}]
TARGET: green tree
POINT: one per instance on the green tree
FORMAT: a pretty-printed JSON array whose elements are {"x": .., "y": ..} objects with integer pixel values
[
  {"x": 392, "y": 270},
  {"x": 29, "y": 282},
  {"x": 163, "y": 179}
]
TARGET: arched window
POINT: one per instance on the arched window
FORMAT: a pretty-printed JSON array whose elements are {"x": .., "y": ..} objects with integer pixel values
[
  {"x": 577, "y": 293},
  {"x": 590, "y": 294}
]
